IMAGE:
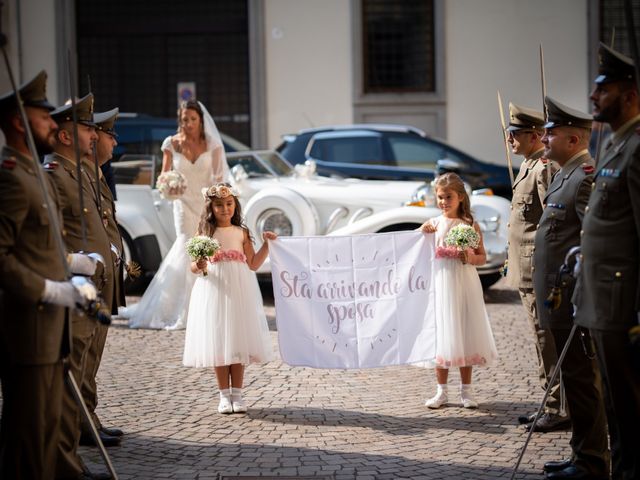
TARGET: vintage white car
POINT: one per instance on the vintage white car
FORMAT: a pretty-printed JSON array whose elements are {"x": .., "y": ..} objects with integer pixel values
[{"x": 295, "y": 201}]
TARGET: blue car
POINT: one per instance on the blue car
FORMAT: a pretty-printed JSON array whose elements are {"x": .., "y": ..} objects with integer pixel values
[{"x": 389, "y": 152}]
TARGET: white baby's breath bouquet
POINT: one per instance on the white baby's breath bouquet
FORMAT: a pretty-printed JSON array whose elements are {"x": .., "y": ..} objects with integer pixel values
[
  {"x": 171, "y": 184},
  {"x": 201, "y": 246},
  {"x": 462, "y": 237}
]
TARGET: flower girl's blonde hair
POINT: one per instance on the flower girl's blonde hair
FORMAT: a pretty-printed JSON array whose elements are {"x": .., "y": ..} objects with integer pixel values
[{"x": 451, "y": 181}]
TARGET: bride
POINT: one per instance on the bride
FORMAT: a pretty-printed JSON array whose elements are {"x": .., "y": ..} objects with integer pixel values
[{"x": 197, "y": 152}]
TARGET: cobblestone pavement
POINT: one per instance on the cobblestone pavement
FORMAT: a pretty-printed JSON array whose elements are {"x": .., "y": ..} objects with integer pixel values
[{"x": 366, "y": 424}]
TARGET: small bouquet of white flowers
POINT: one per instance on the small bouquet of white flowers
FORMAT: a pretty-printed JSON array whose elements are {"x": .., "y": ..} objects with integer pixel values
[
  {"x": 201, "y": 246},
  {"x": 171, "y": 184},
  {"x": 462, "y": 237}
]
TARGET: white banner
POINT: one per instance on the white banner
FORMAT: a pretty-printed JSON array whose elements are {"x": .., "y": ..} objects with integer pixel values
[{"x": 354, "y": 302}]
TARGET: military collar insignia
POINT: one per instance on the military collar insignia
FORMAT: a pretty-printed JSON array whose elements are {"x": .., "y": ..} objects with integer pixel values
[
  {"x": 9, "y": 163},
  {"x": 51, "y": 165},
  {"x": 588, "y": 169}
]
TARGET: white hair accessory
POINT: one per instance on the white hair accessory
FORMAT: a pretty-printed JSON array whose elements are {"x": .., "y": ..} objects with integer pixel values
[{"x": 219, "y": 191}]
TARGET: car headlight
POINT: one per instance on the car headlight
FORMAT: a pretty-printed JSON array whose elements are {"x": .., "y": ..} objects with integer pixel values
[
  {"x": 274, "y": 220},
  {"x": 424, "y": 196},
  {"x": 488, "y": 218}
]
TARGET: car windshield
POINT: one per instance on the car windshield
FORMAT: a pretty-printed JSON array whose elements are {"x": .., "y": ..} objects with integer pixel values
[{"x": 261, "y": 163}]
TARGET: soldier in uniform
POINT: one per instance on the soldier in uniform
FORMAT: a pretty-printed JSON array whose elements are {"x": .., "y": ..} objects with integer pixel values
[
  {"x": 529, "y": 188},
  {"x": 566, "y": 141},
  {"x": 609, "y": 301},
  {"x": 62, "y": 168},
  {"x": 104, "y": 150},
  {"x": 34, "y": 330}
]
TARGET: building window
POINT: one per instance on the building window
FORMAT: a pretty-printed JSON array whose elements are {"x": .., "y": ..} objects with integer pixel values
[
  {"x": 612, "y": 16},
  {"x": 398, "y": 46}
]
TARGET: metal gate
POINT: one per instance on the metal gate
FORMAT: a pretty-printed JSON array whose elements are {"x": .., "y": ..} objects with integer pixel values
[{"x": 136, "y": 52}]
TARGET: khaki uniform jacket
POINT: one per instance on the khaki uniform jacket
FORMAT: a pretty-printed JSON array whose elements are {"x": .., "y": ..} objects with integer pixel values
[
  {"x": 611, "y": 240},
  {"x": 529, "y": 189},
  {"x": 64, "y": 174},
  {"x": 31, "y": 333},
  {"x": 558, "y": 232},
  {"x": 109, "y": 220}
]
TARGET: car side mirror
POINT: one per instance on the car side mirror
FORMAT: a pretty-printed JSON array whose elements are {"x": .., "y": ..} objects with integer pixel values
[
  {"x": 445, "y": 165},
  {"x": 239, "y": 174}
]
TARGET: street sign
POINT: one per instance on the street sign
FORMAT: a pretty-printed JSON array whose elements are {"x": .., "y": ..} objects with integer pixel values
[{"x": 186, "y": 91}]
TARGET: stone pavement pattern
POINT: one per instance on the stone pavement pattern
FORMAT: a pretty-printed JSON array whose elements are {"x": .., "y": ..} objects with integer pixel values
[{"x": 366, "y": 424}]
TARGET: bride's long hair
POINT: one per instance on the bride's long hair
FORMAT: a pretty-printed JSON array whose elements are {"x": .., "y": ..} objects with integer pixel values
[
  {"x": 195, "y": 106},
  {"x": 208, "y": 223},
  {"x": 451, "y": 181}
]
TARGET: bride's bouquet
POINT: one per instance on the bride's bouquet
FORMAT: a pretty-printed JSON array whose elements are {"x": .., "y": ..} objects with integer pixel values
[
  {"x": 171, "y": 185},
  {"x": 201, "y": 246},
  {"x": 457, "y": 240}
]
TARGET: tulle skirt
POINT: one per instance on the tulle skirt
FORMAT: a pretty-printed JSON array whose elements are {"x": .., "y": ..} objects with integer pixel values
[
  {"x": 165, "y": 303},
  {"x": 226, "y": 323},
  {"x": 464, "y": 336}
]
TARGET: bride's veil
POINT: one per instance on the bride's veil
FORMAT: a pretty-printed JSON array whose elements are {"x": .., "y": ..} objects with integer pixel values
[{"x": 214, "y": 140}]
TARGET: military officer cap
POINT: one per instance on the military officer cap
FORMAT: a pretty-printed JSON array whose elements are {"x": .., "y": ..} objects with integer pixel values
[
  {"x": 559, "y": 115},
  {"x": 522, "y": 118},
  {"x": 33, "y": 94},
  {"x": 84, "y": 111},
  {"x": 614, "y": 66},
  {"x": 105, "y": 120}
]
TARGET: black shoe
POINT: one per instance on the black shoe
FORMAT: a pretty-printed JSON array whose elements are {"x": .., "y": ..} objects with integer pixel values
[
  {"x": 571, "y": 472},
  {"x": 550, "y": 422},
  {"x": 86, "y": 439},
  {"x": 524, "y": 419},
  {"x": 114, "y": 432},
  {"x": 554, "y": 466}
]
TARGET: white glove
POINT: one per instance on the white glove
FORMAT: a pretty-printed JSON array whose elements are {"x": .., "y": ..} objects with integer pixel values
[
  {"x": 82, "y": 264},
  {"x": 61, "y": 293}
]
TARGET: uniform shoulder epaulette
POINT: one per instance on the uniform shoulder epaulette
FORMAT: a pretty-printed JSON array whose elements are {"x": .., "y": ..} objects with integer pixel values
[
  {"x": 51, "y": 166},
  {"x": 588, "y": 169},
  {"x": 9, "y": 163}
]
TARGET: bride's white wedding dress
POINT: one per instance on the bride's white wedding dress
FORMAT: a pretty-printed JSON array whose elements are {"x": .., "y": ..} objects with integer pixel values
[{"x": 165, "y": 303}]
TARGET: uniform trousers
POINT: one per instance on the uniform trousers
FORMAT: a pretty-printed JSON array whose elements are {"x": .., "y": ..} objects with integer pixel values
[
  {"x": 30, "y": 428},
  {"x": 70, "y": 464},
  {"x": 619, "y": 363},
  {"x": 583, "y": 388},
  {"x": 547, "y": 356},
  {"x": 89, "y": 387}
]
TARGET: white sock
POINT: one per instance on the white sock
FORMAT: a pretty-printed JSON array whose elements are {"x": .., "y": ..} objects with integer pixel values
[
  {"x": 443, "y": 387},
  {"x": 236, "y": 394},
  {"x": 465, "y": 388},
  {"x": 225, "y": 393}
]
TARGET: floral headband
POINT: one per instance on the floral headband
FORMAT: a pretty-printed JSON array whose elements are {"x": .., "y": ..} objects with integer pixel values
[{"x": 219, "y": 191}]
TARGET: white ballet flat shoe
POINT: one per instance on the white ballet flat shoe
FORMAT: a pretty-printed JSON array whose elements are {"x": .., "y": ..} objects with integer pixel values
[
  {"x": 239, "y": 407},
  {"x": 225, "y": 406},
  {"x": 438, "y": 401},
  {"x": 468, "y": 401}
]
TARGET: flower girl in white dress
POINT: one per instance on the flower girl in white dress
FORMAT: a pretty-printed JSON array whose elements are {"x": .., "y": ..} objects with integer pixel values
[
  {"x": 464, "y": 336},
  {"x": 226, "y": 327}
]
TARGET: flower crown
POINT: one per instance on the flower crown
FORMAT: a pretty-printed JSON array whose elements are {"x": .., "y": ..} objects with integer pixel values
[{"x": 219, "y": 191}]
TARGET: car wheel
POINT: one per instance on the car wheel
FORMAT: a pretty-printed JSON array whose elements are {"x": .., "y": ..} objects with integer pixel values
[
  {"x": 283, "y": 211},
  {"x": 132, "y": 286},
  {"x": 489, "y": 279}
]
